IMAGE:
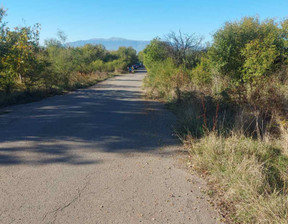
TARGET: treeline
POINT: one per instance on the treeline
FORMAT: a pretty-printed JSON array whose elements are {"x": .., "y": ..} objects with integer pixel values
[
  {"x": 30, "y": 70},
  {"x": 231, "y": 98}
]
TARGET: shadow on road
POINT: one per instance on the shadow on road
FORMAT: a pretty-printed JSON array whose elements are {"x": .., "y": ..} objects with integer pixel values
[{"x": 67, "y": 129}]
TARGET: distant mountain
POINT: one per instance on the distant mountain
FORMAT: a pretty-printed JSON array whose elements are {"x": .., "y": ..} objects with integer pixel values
[{"x": 112, "y": 43}]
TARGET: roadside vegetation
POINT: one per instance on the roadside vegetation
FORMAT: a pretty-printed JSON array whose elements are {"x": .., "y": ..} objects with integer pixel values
[
  {"x": 231, "y": 99},
  {"x": 30, "y": 72}
]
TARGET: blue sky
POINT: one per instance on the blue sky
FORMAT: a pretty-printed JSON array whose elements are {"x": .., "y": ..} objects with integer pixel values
[{"x": 135, "y": 19}]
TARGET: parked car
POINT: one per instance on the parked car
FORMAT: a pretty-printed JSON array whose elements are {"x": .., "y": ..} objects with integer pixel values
[{"x": 135, "y": 66}]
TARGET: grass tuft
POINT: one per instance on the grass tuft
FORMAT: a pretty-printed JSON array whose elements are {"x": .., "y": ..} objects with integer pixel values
[{"x": 251, "y": 176}]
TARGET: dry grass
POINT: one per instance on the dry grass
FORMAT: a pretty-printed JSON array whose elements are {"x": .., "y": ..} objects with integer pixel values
[
  {"x": 251, "y": 176},
  {"x": 248, "y": 176}
]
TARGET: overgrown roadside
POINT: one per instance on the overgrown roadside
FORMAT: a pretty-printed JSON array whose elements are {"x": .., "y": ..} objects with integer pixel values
[
  {"x": 231, "y": 100},
  {"x": 80, "y": 81},
  {"x": 29, "y": 71},
  {"x": 247, "y": 179}
]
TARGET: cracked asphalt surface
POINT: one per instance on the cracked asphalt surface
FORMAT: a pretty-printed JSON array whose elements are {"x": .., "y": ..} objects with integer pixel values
[{"x": 97, "y": 155}]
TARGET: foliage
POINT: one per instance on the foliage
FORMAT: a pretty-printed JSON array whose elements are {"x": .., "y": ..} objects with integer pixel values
[
  {"x": 167, "y": 63},
  {"x": 156, "y": 52},
  {"x": 25, "y": 66},
  {"x": 201, "y": 74},
  {"x": 231, "y": 101},
  {"x": 247, "y": 49},
  {"x": 159, "y": 79},
  {"x": 260, "y": 56},
  {"x": 20, "y": 59}
]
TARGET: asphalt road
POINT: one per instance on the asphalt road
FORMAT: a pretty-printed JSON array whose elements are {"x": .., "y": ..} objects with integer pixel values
[{"x": 97, "y": 155}]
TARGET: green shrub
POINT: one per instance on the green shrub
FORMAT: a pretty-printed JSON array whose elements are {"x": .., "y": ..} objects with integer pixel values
[
  {"x": 240, "y": 46},
  {"x": 160, "y": 79},
  {"x": 201, "y": 74},
  {"x": 97, "y": 65}
]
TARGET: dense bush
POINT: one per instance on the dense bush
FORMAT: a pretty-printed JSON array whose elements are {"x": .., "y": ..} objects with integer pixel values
[
  {"x": 25, "y": 66},
  {"x": 168, "y": 64},
  {"x": 248, "y": 49},
  {"x": 235, "y": 69},
  {"x": 231, "y": 100}
]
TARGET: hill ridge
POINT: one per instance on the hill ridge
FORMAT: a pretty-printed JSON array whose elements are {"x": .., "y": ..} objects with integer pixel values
[{"x": 112, "y": 43}]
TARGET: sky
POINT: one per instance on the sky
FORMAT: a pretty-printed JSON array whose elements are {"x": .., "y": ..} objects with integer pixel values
[{"x": 135, "y": 19}]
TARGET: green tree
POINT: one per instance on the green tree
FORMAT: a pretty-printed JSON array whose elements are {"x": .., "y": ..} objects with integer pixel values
[
  {"x": 84, "y": 56},
  {"x": 3, "y": 48},
  {"x": 61, "y": 61},
  {"x": 125, "y": 56},
  {"x": 19, "y": 49},
  {"x": 239, "y": 45},
  {"x": 259, "y": 55},
  {"x": 157, "y": 51}
]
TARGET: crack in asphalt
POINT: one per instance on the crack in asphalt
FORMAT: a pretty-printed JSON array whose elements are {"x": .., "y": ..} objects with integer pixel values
[{"x": 61, "y": 208}]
